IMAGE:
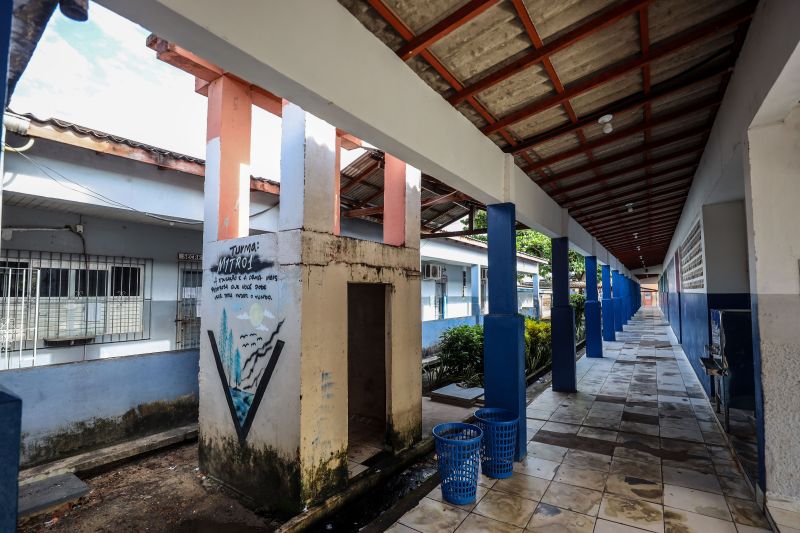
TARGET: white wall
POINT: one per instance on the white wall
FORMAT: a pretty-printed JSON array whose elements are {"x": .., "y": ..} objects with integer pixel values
[
  {"x": 725, "y": 248},
  {"x": 141, "y": 186},
  {"x": 773, "y": 220},
  {"x": 771, "y": 39}
]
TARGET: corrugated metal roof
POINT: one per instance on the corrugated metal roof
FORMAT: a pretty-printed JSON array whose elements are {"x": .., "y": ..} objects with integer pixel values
[{"x": 681, "y": 51}]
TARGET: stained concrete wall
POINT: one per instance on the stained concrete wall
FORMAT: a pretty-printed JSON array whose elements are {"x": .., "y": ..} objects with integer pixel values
[
  {"x": 78, "y": 406},
  {"x": 773, "y": 218}
]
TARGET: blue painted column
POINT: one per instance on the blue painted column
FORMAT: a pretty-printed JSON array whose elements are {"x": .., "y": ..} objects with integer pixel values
[
  {"x": 475, "y": 292},
  {"x": 562, "y": 321},
  {"x": 6, "y": 8},
  {"x": 608, "y": 305},
  {"x": 626, "y": 295},
  {"x": 617, "y": 299},
  {"x": 504, "y": 339},
  {"x": 10, "y": 421},
  {"x": 10, "y": 406},
  {"x": 594, "y": 341}
]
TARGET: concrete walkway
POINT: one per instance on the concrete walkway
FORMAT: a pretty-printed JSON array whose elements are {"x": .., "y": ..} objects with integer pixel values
[{"x": 637, "y": 448}]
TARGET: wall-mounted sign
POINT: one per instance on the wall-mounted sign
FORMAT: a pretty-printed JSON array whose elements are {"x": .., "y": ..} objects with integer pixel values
[{"x": 186, "y": 256}]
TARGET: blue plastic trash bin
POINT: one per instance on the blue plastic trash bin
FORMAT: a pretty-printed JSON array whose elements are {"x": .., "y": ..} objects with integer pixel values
[
  {"x": 458, "y": 447},
  {"x": 499, "y": 428}
]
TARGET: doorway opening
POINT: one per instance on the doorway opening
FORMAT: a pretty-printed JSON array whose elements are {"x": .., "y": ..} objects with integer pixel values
[{"x": 367, "y": 337}]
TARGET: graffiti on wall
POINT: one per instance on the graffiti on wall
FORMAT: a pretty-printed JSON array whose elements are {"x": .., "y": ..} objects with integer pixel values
[{"x": 244, "y": 324}]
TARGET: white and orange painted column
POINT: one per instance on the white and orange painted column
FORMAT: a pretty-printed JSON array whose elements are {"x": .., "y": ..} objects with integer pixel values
[{"x": 227, "y": 180}]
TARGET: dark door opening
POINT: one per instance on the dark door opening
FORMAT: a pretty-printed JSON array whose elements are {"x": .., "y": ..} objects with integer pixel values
[{"x": 366, "y": 367}]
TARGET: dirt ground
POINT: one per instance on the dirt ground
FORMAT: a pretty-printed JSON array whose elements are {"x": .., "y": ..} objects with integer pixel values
[{"x": 163, "y": 492}]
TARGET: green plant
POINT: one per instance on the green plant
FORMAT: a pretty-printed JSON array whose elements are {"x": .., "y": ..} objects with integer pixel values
[
  {"x": 461, "y": 354},
  {"x": 538, "y": 349},
  {"x": 578, "y": 303}
]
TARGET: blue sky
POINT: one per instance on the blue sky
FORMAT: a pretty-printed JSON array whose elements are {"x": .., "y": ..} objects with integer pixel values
[{"x": 100, "y": 74}]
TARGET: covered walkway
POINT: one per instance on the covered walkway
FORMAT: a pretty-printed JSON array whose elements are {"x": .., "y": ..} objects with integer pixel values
[{"x": 638, "y": 447}]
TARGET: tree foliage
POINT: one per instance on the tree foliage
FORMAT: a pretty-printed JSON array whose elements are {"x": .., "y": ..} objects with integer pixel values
[{"x": 532, "y": 242}]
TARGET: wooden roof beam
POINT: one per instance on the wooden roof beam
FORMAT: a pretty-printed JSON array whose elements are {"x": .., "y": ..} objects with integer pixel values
[
  {"x": 707, "y": 103},
  {"x": 623, "y": 104},
  {"x": 686, "y": 171},
  {"x": 444, "y": 199},
  {"x": 730, "y": 18},
  {"x": 444, "y": 27},
  {"x": 623, "y": 197},
  {"x": 586, "y": 29},
  {"x": 621, "y": 211},
  {"x": 558, "y": 191},
  {"x": 638, "y": 198}
]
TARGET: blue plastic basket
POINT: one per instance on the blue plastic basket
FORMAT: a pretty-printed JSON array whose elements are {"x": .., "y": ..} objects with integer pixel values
[
  {"x": 458, "y": 447},
  {"x": 499, "y": 428}
]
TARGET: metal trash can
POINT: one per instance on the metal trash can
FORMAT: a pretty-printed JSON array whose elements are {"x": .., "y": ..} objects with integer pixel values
[
  {"x": 499, "y": 441},
  {"x": 458, "y": 448}
]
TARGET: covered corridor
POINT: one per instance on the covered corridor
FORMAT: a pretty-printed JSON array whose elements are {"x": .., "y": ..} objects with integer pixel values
[
  {"x": 637, "y": 448},
  {"x": 655, "y": 139}
]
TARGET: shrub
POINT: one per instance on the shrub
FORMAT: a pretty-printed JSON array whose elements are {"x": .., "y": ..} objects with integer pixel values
[
  {"x": 461, "y": 354},
  {"x": 538, "y": 350},
  {"x": 578, "y": 303}
]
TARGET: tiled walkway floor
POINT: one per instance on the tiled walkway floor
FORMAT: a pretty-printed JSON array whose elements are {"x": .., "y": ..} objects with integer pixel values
[{"x": 637, "y": 448}]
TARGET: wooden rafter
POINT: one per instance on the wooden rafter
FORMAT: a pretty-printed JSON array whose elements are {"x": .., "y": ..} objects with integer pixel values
[
  {"x": 694, "y": 149},
  {"x": 581, "y": 32},
  {"x": 684, "y": 171},
  {"x": 729, "y": 19},
  {"x": 444, "y": 27}
]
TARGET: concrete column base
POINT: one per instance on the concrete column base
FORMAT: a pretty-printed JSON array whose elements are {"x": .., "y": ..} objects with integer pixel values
[
  {"x": 504, "y": 369},
  {"x": 10, "y": 423},
  {"x": 563, "y": 339},
  {"x": 594, "y": 341}
]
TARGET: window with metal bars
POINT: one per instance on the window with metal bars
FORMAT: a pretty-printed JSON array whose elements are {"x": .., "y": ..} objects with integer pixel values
[
  {"x": 692, "y": 267},
  {"x": 53, "y": 299}
]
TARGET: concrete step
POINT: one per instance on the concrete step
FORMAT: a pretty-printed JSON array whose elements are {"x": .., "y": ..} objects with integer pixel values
[
  {"x": 47, "y": 494},
  {"x": 94, "y": 459}
]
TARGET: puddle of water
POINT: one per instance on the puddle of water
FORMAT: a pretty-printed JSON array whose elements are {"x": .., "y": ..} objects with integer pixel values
[{"x": 364, "y": 510}]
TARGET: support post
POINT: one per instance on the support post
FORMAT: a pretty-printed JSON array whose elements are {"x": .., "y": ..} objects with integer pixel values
[
  {"x": 563, "y": 321},
  {"x": 6, "y": 10},
  {"x": 504, "y": 341},
  {"x": 608, "y": 305},
  {"x": 617, "y": 299},
  {"x": 475, "y": 292},
  {"x": 594, "y": 342},
  {"x": 10, "y": 422},
  {"x": 227, "y": 180}
]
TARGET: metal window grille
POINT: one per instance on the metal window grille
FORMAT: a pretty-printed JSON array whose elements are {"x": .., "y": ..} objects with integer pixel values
[
  {"x": 190, "y": 281},
  {"x": 80, "y": 299},
  {"x": 692, "y": 267}
]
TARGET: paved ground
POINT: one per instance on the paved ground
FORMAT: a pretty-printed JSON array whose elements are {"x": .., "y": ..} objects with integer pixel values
[{"x": 637, "y": 448}]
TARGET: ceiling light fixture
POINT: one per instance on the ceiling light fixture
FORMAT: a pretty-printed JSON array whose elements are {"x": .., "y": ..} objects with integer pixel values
[
  {"x": 605, "y": 120},
  {"x": 629, "y": 207}
]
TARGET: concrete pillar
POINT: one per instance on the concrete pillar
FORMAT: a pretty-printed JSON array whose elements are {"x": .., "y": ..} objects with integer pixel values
[
  {"x": 10, "y": 422},
  {"x": 594, "y": 341},
  {"x": 537, "y": 304},
  {"x": 617, "y": 299},
  {"x": 504, "y": 340},
  {"x": 608, "y": 305},
  {"x": 562, "y": 320},
  {"x": 5, "y": 42},
  {"x": 274, "y": 374},
  {"x": 475, "y": 292},
  {"x": 227, "y": 179}
]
